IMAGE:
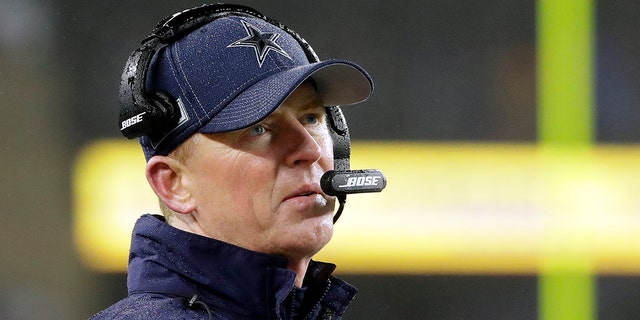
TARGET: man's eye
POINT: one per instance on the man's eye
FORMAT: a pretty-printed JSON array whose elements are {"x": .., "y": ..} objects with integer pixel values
[
  {"x": 312, "y": 118},
  {"x": 257, "y": 130}
]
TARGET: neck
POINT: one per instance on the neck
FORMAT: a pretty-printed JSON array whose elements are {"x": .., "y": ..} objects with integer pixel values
[
  {"x": 299, "y": 266},
  {"x": 189, "y": 224}
]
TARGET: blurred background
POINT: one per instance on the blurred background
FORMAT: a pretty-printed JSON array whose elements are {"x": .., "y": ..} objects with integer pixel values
[{"x": 454, "y": 80}]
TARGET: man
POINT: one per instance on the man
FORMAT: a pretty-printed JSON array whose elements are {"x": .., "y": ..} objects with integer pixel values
[{"x": 232, "y": 118}]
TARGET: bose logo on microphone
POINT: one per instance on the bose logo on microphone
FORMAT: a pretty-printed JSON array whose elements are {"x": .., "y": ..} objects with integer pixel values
[{"x": 361, "y": 181}]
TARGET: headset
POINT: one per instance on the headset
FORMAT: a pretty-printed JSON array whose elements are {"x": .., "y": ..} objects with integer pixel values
[{"x": 161, "y": 112}]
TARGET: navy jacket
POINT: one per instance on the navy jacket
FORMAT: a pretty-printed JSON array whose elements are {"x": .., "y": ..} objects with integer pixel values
[{"x": 175, "y": 274}]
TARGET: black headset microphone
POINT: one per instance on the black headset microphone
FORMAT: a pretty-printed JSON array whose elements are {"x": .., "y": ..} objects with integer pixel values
[
  {"x": 336, "y": 183},
  {"x": 343, "y": 182}
]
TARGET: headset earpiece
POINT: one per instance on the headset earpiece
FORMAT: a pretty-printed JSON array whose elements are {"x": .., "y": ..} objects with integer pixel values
[{"x": 137, "y": 114}]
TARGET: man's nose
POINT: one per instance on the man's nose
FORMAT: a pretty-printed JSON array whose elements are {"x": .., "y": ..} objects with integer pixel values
[{"x": 303, "y": 148}]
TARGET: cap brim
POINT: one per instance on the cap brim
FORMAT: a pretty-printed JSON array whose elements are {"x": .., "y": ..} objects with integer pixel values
[{"x": 339, "y": 82}]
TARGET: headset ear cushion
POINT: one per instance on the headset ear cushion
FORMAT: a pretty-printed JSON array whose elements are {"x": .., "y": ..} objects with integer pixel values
[{"x": 166, "y": 112}]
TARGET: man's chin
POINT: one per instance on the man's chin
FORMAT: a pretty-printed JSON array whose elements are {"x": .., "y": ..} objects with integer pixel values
[{"x": 308, "y": 241}]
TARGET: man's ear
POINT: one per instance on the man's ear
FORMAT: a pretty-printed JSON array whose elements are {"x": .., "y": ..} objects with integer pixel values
[{"x": 167, "y": 179}]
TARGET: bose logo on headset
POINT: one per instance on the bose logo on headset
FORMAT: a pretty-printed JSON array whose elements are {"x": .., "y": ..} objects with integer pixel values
[
  {"x": 133, "y": 120},
  {"x": 361, "y": 182}
]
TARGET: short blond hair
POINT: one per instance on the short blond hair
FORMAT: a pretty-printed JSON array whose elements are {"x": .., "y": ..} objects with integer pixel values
[{"x": 181, "y": 153}]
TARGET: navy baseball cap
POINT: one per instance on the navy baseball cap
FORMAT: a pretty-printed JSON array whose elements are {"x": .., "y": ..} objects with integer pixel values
[{"x": 236, "y": 70}]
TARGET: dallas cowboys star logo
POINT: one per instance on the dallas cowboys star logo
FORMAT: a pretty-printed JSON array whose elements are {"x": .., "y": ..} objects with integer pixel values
[{"x": 261, "y": 42}]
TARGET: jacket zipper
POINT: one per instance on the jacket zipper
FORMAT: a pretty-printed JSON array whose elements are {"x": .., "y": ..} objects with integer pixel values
[{"x": 327, "y": 314}]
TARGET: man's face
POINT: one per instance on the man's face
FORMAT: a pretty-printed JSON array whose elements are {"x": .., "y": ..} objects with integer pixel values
[{"x": 258, "y": 187}]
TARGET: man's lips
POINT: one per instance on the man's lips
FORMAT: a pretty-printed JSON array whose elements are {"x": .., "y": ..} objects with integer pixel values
[
  {"x": 308, "y": 200},
  {"x": 306, "y": 190}
]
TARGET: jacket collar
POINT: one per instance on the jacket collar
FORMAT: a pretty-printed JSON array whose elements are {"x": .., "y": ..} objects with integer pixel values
[{"x": 164, "y": 259}]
